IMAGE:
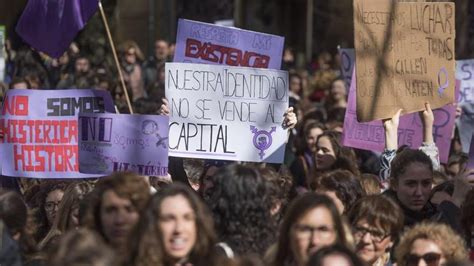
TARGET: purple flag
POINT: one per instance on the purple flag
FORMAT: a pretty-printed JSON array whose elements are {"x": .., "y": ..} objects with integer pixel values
[{"x": 51, "y": 25}]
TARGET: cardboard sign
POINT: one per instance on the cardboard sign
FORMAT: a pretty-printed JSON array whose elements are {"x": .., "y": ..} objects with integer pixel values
[
  {"x": 228, "y": 113},
  {"x": 371, "y": 135},
  {"x": 40, "y": 131},
  {"x": 117, "y": 142},
  {"x": 465, "y": 124},
  {"x": 198, "y": 42},
  {"x": 347, "y": 64},
  {"x": 405, "y": 56}
]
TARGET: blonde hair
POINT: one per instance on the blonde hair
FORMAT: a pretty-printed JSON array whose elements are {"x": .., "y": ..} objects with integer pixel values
[{"x": 450, "y": 243}]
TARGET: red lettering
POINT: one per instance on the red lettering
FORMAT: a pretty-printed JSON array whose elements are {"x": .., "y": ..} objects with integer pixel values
[
  {"x": 73, "y": 133},
  {"x": 38, "y": 124},
  {"x": 224, "y": 55},
  {"x": 40, "y": 162},
  {"x": 28, "y": 151},
  {"x": 15, "y": 105},
  {"x": 64, "y": 125},
  {"x": 59, "y": 158},
  {"x": 18, "y": 157}
]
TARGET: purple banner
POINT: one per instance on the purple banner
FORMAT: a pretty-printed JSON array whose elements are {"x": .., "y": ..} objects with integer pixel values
[
  {"x": 347, "y": 64},
  {"x": 198, "y": 42},
  {"x": 39, "y": 129},
  {"x": 465, "y": 124},
  {"x": 117, "y": 142},
  {"x": 370, "y": 136}
]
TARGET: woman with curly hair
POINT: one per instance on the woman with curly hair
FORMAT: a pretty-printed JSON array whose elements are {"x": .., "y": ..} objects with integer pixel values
[
  {"x": 433, "y": 243},
  {"x": 176, "y": 228},
  {"x": 48, "y": 199},
  {"x": 311, "y": 222},
  {"x": 240, "y": 200},
  {"x": 467, "y": 220},
  {"x": 68, "y": 212}
]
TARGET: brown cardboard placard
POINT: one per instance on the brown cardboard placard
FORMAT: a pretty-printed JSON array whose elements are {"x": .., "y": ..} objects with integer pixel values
[{"x": 404, "y": 56}]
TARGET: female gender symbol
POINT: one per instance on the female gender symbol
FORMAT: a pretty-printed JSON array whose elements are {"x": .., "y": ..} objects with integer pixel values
[{"x": 446, "y": 83}]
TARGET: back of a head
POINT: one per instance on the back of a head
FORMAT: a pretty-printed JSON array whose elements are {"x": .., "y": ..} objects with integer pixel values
[
  {"x": 13, "y": 211},
  {"x": 81, "y": 247},
  {"x": 334, "y": 255},
  {"x": 345, "y": 184}
]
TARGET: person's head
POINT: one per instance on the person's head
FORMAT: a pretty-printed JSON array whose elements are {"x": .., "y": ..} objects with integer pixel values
[
  {"x": 176, "y": 227},
  {"x": 330, "y": 154},
  {"x": 335, "y": 255},
  {"x": 376, "y": 223},
  {"x": 310, "y": 223},
  {"x": 311, "y": 131},
  {"x": 19, "y": 83},
  {"x": 82, "y": 64},
  {"x": 13, "y": 212},
  {"x": 161, "y": 49},
  {"x": 48, "y": 197},
  {"x": 81, "y": 247},
  {"x": 240, "y": 201},
  {"x": 342, "y": 187},
  {"x": 67, "y": 216},
  {"x": 433, "y": 243},
  {"x": 131, "y": 52},
  {"x": 338, "y": 91},
  {"x": 411, "y": 177},
  {"x": 456, "y": 163},
  {"x": 281, "y": 184},
  {"x": 371, "y": 184},
  {"x": 114, "y": 207},
  {"x": 194, "y": 169},
  {"x": 296, "y": 84}
]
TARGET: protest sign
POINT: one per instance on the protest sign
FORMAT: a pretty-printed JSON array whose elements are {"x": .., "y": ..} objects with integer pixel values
[
  {"x": 2, "y": 53},
  {"x": 39, "y": 129},
  {"x": 465, "y": 124},
  {"x": 347, "y": 64},
  {"x": 405, "y": 56},
  {"x": 371, "y": 135},
  {"x": 198, "y": 42},
  {"x": 228, "y": 113},
  {"x": 117, "y": 142}
]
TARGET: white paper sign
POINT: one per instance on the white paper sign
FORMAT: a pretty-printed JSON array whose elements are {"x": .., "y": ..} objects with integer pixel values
[{"x": 226, "y": 113}]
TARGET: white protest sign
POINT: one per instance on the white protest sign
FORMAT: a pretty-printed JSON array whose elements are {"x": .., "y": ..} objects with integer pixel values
[{"x": 227, "y": 113}]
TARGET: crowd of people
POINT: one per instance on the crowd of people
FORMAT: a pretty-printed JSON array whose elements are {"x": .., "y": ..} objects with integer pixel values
[{"x": 327, "y": 204}]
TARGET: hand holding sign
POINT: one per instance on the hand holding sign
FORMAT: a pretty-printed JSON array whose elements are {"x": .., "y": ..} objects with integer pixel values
[
  {"x": 391, "y": 131},
  {"x": 427, "y": 118},
  {"x": 165, "y": 108},
  {"x": 290, "y": 119}
]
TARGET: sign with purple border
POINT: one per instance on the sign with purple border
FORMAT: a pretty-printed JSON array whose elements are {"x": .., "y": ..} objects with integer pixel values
[
  {"x": 371, "y": 136},
  {"x": 226, "y": 113},
  {"x": 198, "y": 42},
  {"x": 39, "y": 129},
  {"x": 347, "y": 56},
  {"x": 118, "y": 142}
]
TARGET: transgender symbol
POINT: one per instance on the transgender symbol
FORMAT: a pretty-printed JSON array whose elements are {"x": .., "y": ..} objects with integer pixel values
[
  {"x": 150, "y": 127},
  {"x": 262, "y": 139}
]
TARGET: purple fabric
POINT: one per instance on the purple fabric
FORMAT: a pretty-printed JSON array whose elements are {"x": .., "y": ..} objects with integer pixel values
[
  {"x": 116, "y": 142},
  {"x": 51, "y": 25}
]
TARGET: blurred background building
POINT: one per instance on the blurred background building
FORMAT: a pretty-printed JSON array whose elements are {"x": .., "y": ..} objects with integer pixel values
[{"x": 309, "y": 26}]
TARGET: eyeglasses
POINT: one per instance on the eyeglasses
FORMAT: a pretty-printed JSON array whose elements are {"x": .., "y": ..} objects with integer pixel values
[
  {"x": 307, "y": 231},
  {"x": 431, "y": 259},
  {"x": 376, "y": 235},
  {"x": 51, "y": 205}
]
